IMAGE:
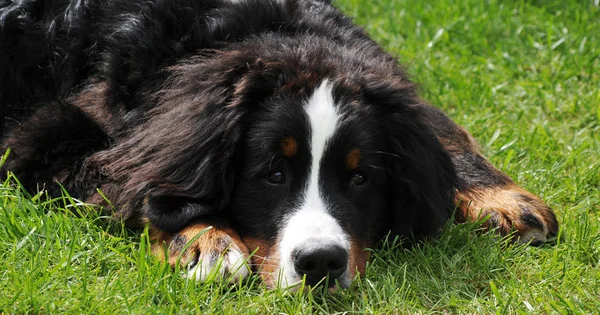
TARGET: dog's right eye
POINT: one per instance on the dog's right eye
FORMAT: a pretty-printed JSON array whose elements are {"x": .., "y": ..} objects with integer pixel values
[
  {"x": 276, "y": 177},
  {"x": 359, "y": 178}
]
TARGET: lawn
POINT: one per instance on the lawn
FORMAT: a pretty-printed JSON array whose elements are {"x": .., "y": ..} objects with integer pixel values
[{"x": 522, "y": 76}]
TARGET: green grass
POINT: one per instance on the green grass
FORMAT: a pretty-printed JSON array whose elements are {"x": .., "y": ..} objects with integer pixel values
[{"x": 522, "y": 76}]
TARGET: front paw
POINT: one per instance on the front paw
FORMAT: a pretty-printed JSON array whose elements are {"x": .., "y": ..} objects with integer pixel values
[
  {"x": 511, "y": 209},
  {"x": 205, "y": 252}
]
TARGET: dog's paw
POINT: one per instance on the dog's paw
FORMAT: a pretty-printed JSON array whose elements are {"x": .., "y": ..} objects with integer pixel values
[
  {"x": 511, "y": 209},
  {"x": 207, "y": 252}
]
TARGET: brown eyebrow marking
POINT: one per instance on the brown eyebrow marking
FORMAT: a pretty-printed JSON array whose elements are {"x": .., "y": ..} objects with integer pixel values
[
  {"x": 353, "y": 159},
  {"x": 289, "y": 146}
]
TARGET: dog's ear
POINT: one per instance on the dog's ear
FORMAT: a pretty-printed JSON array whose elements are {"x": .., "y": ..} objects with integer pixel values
[
  {"x": 177, "y": 164},
  {"x": 422, "y": 178}
]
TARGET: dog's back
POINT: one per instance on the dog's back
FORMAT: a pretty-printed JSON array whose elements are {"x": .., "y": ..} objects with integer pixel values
[{"x": 51, "y": 49}]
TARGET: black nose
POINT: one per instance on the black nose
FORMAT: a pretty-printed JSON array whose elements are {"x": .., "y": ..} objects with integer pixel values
[{"x": 318, "y": 261}]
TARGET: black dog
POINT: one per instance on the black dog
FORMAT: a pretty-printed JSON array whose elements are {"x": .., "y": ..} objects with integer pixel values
[{"x": 277, "y": 122}]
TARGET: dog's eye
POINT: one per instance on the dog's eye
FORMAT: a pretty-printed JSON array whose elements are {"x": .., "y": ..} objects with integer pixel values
[
  {"x": 359, "y": 178},
  {"x": 276, "y": 177}
]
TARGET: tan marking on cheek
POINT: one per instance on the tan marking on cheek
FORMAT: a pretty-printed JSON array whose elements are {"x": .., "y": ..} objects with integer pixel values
[
  {"x": 357, "y": 260},
  {"x": 353, "y": 159},
  {"x": 265, "y": 259},
  {"x": 289, "y": 147}
]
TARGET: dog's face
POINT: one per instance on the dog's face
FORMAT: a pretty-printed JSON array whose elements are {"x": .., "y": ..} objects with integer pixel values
[
  {"x": 313, "y": 155},
  {"x": 311, "y": 191}
]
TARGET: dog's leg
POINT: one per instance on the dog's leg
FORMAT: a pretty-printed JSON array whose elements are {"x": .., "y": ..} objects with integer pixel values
[
  {"x": 50, "y": 147},
  {"x": 205, "y": 249},
  {"x": 484, "y": 191}
]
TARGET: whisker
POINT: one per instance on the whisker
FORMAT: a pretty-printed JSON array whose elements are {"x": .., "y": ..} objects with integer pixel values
[
  {"x": 261, "y": 257},
  {"x": 378, "y": 167},
  {"x": 265, "y": 265},
  {"x": 386, "y": 153},
  {"x": 271, "y": 161},
  {"x": 273, "y": 158}
]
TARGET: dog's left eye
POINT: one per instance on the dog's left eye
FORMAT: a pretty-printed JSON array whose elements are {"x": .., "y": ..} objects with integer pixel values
[
  {"x": 276, "y": 177},
  {"x": 359, "y": 178}
]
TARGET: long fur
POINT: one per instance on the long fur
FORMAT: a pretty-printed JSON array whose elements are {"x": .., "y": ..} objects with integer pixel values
[
  {"x": 179, "y": 111},
  {"x": 148, "y": 101}
]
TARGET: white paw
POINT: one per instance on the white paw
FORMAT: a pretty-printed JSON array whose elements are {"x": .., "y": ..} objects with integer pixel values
[{"x": 535, "y": 237}]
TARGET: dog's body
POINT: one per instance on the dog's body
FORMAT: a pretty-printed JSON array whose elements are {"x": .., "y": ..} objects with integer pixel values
[{"x": 279, "y": 123}]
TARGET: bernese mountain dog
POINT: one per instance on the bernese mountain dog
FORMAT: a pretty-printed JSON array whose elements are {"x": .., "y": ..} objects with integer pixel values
[{"x": 279, "y": 124}]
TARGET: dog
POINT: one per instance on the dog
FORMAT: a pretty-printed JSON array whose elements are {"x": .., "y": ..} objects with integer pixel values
[{"x": 273, "y": 134}]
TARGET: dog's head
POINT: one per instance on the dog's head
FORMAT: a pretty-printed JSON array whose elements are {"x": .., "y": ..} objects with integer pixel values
[{"x": 313, "y": 150}]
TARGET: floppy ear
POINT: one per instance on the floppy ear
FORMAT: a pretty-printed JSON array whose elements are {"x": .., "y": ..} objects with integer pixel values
[
  {"x": 177, "y": 164},
  {"x": 422, "y": 178}
]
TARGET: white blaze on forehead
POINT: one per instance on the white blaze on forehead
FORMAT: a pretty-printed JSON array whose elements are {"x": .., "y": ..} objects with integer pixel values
[
  {"x": 323, "y": 119},
  {"x": 311, "y": 219}
]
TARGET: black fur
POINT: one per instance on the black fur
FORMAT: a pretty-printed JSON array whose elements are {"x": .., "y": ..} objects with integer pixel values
[{"x": 157, "y": 103}]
